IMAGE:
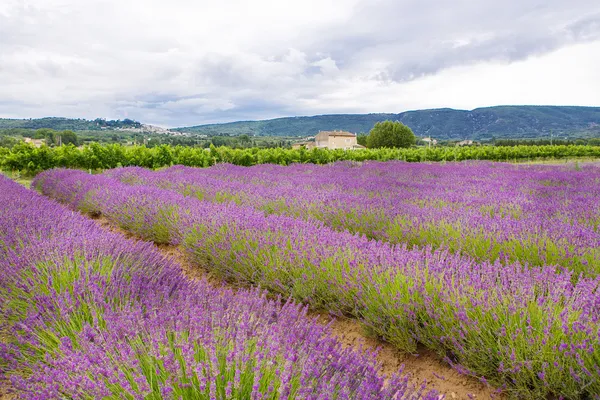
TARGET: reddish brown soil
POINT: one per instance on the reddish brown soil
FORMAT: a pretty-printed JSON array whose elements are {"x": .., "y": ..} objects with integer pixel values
[
  {"x": 5, "y": 386},
  {"x": 5, "y": 390},
  {"x": 425, "y": 366}
]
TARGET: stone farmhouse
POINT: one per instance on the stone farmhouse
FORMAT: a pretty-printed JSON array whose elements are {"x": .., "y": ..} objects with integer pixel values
[{"x": 332, "y": 140}]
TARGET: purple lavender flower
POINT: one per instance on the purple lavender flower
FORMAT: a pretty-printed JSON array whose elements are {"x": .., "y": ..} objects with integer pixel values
[{"x": 92, "y": 314}]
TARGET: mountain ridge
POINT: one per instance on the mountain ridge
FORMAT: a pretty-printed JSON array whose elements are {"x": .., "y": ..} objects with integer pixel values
[
  {"x": 504, "y": 122},
  {"x": 483, "y": 123}
]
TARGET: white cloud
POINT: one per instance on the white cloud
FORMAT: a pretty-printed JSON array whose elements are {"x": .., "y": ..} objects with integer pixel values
[
  {"x": 187, "y": 62},
  {"x": 568, "y": 76}
]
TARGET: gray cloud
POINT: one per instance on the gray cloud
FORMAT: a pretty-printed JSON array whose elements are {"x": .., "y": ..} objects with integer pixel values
[{"x": 419, "y": 38}]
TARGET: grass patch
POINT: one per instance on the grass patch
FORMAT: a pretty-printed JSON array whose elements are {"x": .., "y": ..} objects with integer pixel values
[{"x": 18, "y": 177}]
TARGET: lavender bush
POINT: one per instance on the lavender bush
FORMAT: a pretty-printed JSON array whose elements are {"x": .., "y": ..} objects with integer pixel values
[
  {"x": 532, "y": 331},
  {"x": 539, "y": 215},
  {"x": 93, "y": 315}
]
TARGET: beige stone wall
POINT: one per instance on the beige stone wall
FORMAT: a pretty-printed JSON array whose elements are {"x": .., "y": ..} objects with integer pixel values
[
  {"x": 322, "y": 139},
  {"x": 332, "y": 141},
  {"x": 341, "y": 142}
]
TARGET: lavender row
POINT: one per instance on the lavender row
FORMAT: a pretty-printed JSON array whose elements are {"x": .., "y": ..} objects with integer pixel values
[
  {"x": 530, "y": 331},
  {"x": 539, "y": 215},
  {"x": 92, "y": 315}
]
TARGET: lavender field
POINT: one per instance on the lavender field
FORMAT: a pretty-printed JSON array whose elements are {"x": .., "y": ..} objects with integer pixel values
[
  {"x": 539, "y": 215},
  {"x": 493, "y": 267},
  {"x": 89, "y": 314}
]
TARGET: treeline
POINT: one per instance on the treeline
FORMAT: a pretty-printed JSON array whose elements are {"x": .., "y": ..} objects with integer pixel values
[
  {"x": 56, "y": 138},
  {"x": 59, "y": 124},
  {"x": 547, "y": 142},
  {"x": 30, "y": 160},
  {"x": 11, "y": 136},
  {"x": 126, "y": 123}
]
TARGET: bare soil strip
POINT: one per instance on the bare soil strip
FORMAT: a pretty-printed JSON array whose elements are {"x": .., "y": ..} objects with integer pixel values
[
  {"x": 6, "y": 391},
  {"x": 5, "y": 386},
  {"x": 424, "y": 366}
]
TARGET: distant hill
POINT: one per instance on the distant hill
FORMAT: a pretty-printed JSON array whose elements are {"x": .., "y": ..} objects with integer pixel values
[
  {"x": 501, "y": 122},
  {"x": 506, "y": 122},
  {"x": 61, "y": 124}
]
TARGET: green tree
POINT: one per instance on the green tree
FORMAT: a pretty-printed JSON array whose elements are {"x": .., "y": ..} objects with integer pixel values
[
  {"x": 244, "y": 140},
  {"x": 362, "y": 139},
  {"x": 8, "y": 141},
  {"x": 47, "y": 134},
  {"x": 390, "y": 134},
  {"x": 67, "y": 137}
]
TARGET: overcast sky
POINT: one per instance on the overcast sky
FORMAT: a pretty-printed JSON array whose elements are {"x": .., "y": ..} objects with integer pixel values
[{"x": 188, "y": 62}]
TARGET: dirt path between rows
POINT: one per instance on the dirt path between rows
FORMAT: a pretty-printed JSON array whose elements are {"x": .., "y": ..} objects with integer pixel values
[
  {"x": 424, "y": 366},
  {"x": 6, "y": 389}
]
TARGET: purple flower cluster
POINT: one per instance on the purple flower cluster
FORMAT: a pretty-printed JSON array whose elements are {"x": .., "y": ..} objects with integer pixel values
[
  {"x": 533, "y": 331},
  {"x": 539, "y": 215},
  {"x": 90, "y": 314}
]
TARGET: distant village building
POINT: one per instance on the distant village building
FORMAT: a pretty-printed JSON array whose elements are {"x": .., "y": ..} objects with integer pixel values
[
  {"x": 337, "y": 140},
  {"x": 35, "y": 142},
  {"x": 430, "y": 140},
  {"x": 465, "y": 143}
]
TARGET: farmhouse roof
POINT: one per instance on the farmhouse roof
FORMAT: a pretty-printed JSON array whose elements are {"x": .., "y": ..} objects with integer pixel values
[{"x": 338, "y": 133}]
